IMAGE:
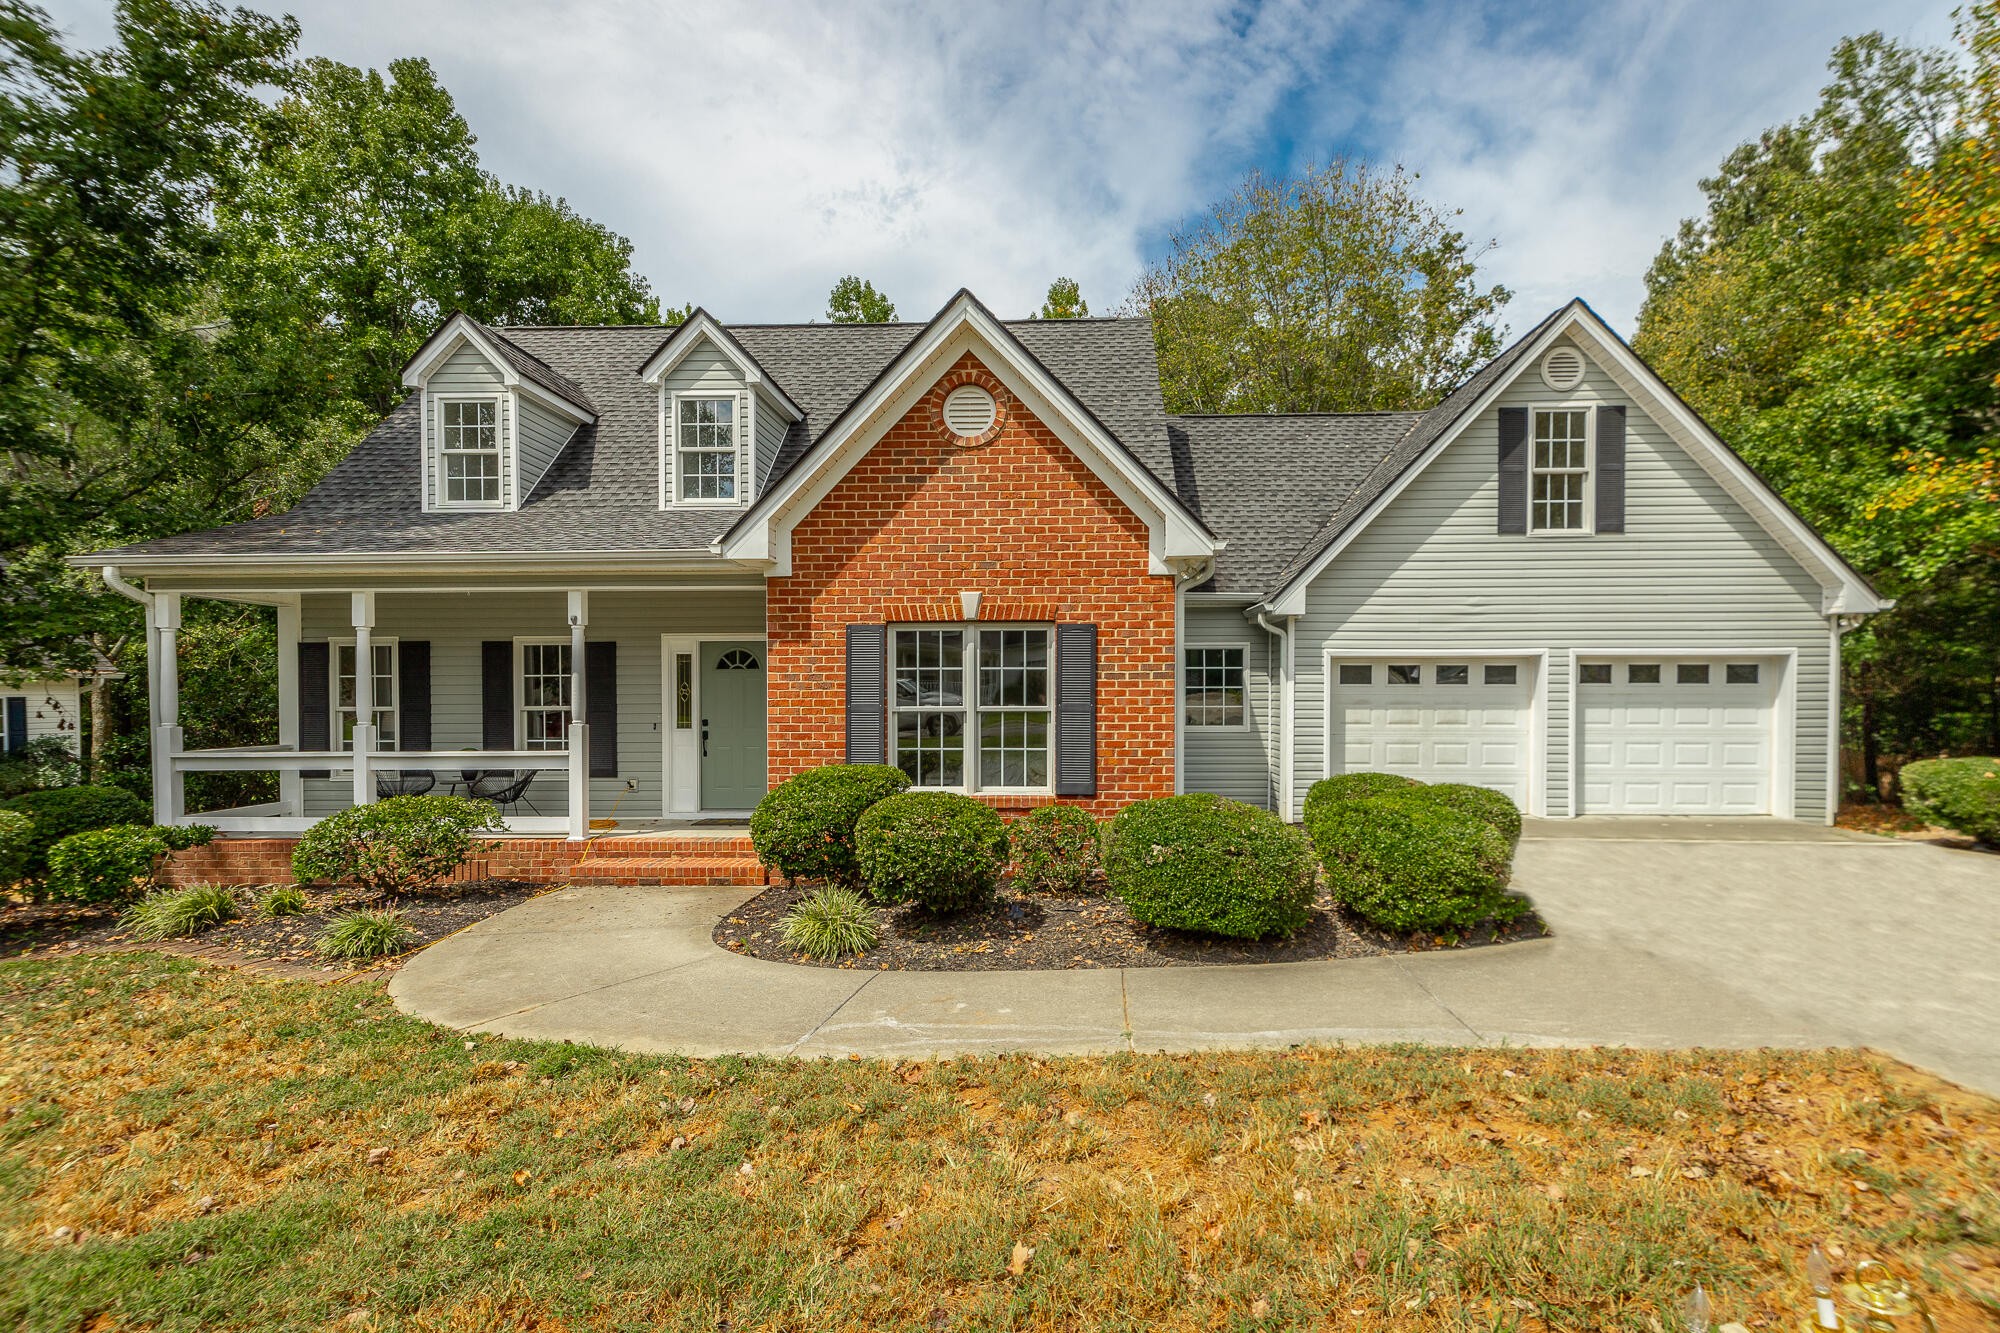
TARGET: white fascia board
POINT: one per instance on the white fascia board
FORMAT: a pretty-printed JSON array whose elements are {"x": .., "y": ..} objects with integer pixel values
[
  {"x": 461, "y": 331},
  {"x": 701, "y": 326},
  {"x": 1174, "y": 537},
  {"x": 555, "y": 402}
]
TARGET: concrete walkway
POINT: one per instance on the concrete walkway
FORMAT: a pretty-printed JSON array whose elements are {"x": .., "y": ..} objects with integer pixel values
[{"x": 1737, "y": 933}]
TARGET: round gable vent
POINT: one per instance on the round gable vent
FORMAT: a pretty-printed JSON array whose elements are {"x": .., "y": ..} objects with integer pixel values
[
  {"x": 1562, "y": 369},
  {"x": 968, "y": 410}
]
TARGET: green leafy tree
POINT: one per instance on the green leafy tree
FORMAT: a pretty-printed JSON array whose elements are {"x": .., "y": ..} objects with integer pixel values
[
  {"x": 855, "y": 301},
  {"x": 1065, "y": 301},
  {"x": 1339, "y": 290}
]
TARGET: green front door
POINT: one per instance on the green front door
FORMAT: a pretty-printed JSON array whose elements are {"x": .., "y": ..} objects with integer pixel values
[{"x": 732, "y": 725}]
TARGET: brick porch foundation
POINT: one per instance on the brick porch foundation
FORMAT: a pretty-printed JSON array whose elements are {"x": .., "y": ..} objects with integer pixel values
[{"x": 701, "y": 859}]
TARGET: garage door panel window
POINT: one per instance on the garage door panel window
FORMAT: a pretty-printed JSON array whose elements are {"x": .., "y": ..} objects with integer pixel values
[
  {"x": 1740, "y": 673},
  {"x": 1357, "y": 673},
  {"x": 1454, "y": 675},
  {"x": 1594, "y": 673},
  {"x": 1500, "y": 673},
  {"x": 1406, "y": 675},
  {"x": 1691, "y": 673},
  {"x": 1643, "y": 673}
]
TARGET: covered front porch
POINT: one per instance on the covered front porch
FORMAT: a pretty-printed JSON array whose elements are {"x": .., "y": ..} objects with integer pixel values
[{"x": 630, "y": 705}]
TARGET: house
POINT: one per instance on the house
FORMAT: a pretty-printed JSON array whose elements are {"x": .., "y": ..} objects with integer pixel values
[
  {"x": 661, "y": 569},
  {"x": 32, "y": 709}
]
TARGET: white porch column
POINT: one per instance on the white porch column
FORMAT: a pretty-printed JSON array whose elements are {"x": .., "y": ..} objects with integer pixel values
[
  {"x": 169, "y": 792},
  {"x": 579, "y": 729},
  {"x": 363, "y": 618},
  {"x": 291, "y": 784}
]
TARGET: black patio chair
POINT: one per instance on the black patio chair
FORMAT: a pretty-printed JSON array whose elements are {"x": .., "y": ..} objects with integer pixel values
[
  {"x": 504, "y": 789},
  {"x": 404, "y": 782}
]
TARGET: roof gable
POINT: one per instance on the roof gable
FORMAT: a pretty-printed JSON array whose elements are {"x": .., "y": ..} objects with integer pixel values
[
  {"x": 519, "y": 368},
  {"x": 701, "y": 327}
]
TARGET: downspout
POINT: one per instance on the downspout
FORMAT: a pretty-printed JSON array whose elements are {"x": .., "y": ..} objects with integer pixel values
[
  {"x": 1187, "y": 577},
  {"x": 1285, "y": 704},
  {"x": 118, "y": 584}
]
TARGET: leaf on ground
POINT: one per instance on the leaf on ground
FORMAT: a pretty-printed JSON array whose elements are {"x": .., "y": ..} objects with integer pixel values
[
  {"x": 1018, "y": 1264},
  {"x": 377, "y": 1156},
  {"x": 523, "y": 1176}
]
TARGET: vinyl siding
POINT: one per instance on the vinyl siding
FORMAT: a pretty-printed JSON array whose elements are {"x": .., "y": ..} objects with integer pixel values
[
  {"x": 771, "y": 429},
  {"x": 705, "y": 370},
  {"x": 1237, "y": 762},
  {"x": 465, "y": 371},
  {"x": 54, "y": 708},
  {"x": 542, "y": 437},
  {"x": 1692, "y": 569},
  {"x": 455, "y": 624}
]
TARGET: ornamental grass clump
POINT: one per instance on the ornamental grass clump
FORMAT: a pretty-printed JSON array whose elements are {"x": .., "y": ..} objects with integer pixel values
[
  {"x": 365, "y": 934},
  {"x": 832, "y": 922},
  {"x": 937, "y": 849},
  {"x": 804, "y": 828},
  {"x": 168, "y": 914},
  {"x": 1960, "y": 794},
  {"x": 1208, "y": 864},
  {"x": 283, "y": 900},
  {"x": 1055, "y": 850},
  {"x": 395, "y": 846}
]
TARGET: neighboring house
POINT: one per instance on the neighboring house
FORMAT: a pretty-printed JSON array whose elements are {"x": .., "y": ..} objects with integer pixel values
[
  {"x": 32, "y": 709},
  {"x": 713, "y": 556}
]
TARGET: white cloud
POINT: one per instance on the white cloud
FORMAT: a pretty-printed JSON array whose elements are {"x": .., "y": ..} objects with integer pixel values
[{"x": 754, "y": 152}]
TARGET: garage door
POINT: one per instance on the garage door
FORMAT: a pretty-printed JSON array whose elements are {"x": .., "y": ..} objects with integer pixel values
[
  {"x": 1436, "y": 720},
  {"x": 1676, "y": 736}
]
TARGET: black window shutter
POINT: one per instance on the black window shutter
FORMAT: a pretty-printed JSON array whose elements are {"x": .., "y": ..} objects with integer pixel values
[
  {"x": 600, "y": 706},
  {"x": 315, "y": 691},
  {"x": 1611, "y": 469},
  {"x": 1513, "y": 469},
  {"x": 1076, "y": 710},
  {"x": 17, "y": 723},
  {"x": 496, "y": 694},
  {"x": 867, "y": 694},
  {"x": 413, "y": 698}
]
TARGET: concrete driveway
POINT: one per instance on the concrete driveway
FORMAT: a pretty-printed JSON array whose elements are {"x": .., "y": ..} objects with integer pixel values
[{"x": 1667, "y": 933}]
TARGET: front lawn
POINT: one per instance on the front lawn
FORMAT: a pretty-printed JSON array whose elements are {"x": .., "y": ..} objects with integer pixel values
[{"x": 186, "y": 1148}]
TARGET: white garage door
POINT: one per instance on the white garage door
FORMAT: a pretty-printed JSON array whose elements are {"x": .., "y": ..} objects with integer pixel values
[
  {"x": 1677, "y": 736},
  {"x": 1436, "y": 719}
]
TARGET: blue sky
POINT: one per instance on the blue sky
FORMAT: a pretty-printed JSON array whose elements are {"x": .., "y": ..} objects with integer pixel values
[{"x": 754, "y": 152}]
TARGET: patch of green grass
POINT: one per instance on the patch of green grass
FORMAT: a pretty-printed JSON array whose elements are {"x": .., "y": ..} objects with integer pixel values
[
  {"x": 364, "y": 933},
  {"x": 167, "y": 914},
  {"x": 830, "y": 923},
  {"x": 283, "y": 900},
  {"x": 549, "y": 1186}
]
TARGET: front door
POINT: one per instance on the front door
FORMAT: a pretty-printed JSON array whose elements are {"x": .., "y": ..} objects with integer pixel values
[{"x": 732, "y": 724}]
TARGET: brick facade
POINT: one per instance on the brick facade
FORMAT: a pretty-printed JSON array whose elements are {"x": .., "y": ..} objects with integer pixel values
[
  {"x": 1013, "y": 515},
  {"x": 269, "y": 861}
]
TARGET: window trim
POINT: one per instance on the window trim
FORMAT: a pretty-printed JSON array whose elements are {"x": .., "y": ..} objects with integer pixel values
[
  {"x": 741, "y": 419},
  {"x": 521, "y": 643},
  {"x": 1588, "y": 471},
  {"x": 434, "y": 428},
  {"x": 971, "y": 629},
  {"x": 1215, "y": 728},
  {"x": 333, "y": 704}
]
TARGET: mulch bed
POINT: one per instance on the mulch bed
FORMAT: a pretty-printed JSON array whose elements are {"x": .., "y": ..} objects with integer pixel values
[
  {"x": 279, "y": 944},
  {"x": 1020, "y": 932}
]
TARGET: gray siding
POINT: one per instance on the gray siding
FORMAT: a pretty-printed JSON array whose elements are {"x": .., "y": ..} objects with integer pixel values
[
  {"x": 706, "y": 370},
  {"x": 1239, "y": 763},
  {"x": 542, "y": 437},
  {"x": 771, "y": 429},
  {"x": 465, "y": 371},
  {"x": 1692, "y": 569},
  {"x": 455, "y": 624}
]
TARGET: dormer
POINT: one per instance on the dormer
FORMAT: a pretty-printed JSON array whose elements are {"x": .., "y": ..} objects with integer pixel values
[
  {"x": 495, "y": 417},
  {"x": 723, "y": 418}
]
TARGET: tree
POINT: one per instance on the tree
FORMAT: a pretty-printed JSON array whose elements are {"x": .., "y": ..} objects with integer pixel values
[
  {"x": 855, "y": 301},
  {"x": 1339, "y": 290},
  {"x": 1065, "y": 301}
]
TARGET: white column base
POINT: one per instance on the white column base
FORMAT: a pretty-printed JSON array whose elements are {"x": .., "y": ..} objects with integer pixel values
[{"x": 579, "y": 781}]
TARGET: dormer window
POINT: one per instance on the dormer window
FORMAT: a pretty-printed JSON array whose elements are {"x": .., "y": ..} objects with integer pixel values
[
  {"x": 705, "y": 448},
  {"x": 469, "y": 450}
]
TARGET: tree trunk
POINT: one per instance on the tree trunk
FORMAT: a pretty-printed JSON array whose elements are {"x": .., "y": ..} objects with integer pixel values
[{"x": 100, "y": 726}]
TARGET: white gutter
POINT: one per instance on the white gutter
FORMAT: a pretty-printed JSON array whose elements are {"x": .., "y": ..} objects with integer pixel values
[
  {"x": 116, "y": 582},
  {"x": 1285, "y": 705}
]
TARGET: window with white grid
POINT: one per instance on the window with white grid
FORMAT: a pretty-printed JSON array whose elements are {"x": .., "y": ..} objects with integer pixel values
[
  {"x": 545, "y": 696},
  {"x": 1560, "y": 472},
  {"x": 1212, "y": 687},
  {"x": 384, "y": 653},
  {"x": 469, "y": 451},
  {"x": 997, "y": 735},
  {"x": 705, "y": 444}
]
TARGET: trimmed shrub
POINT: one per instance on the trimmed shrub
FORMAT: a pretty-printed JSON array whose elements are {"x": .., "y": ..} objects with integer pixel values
[
  {"x": 283, "y": 900},
  {"x": 1480, "y": 802},
  {"x": 1353, "y": 787},
  {"x": 17, "y": 832},
  {"x": 831, "y": 923},
  {"x": 1204, "y": 863},
  {"x": 106, "y": 865},
  {"x": 364, "y": 934},
  {"x": 1961, "y": 794},
  {"x": 167, "y": 914},
  {"x": 61, "y": 811},
  {"x": 394, "y": 846},
  {"x": 1055, "y": 849},
  {"x": 937, "y": 849},
  {"x": 804, "y": 826},
  {"x": 1406, "y": 863}
]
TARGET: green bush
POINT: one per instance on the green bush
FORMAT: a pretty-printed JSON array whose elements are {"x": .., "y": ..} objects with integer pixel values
[
  {"x": 831, "y": 923},
  {"x": 61, "y": 811},
  {"x": 1204, "y": 863},
  {"x": 394, "y": 846},
  {"x": 1055, "y": 849},
  {"x": 364, "y": 934},
  {"x": 283, "y": 900},
  {"x": 1353, "y": 787},
  {"x": 1961, "y": 794},
  {"x": 17, "y": 833},
  {"x": 106, "y": 865},
  {"x": 937, "y": 849},
  {"x": 167, "y": 914},
  {"x": 1480, "y": 802},
  {"x": 1407, "y": 863},
  {"x": 46, "y": 761},
  {"x": 804, "y": 827}
]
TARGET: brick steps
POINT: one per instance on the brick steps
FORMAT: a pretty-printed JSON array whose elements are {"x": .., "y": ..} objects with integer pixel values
[{"x": 684, "y": 859}]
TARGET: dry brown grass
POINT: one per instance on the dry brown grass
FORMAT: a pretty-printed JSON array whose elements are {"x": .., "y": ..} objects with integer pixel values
[{"x": 205, "y": 1136}]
